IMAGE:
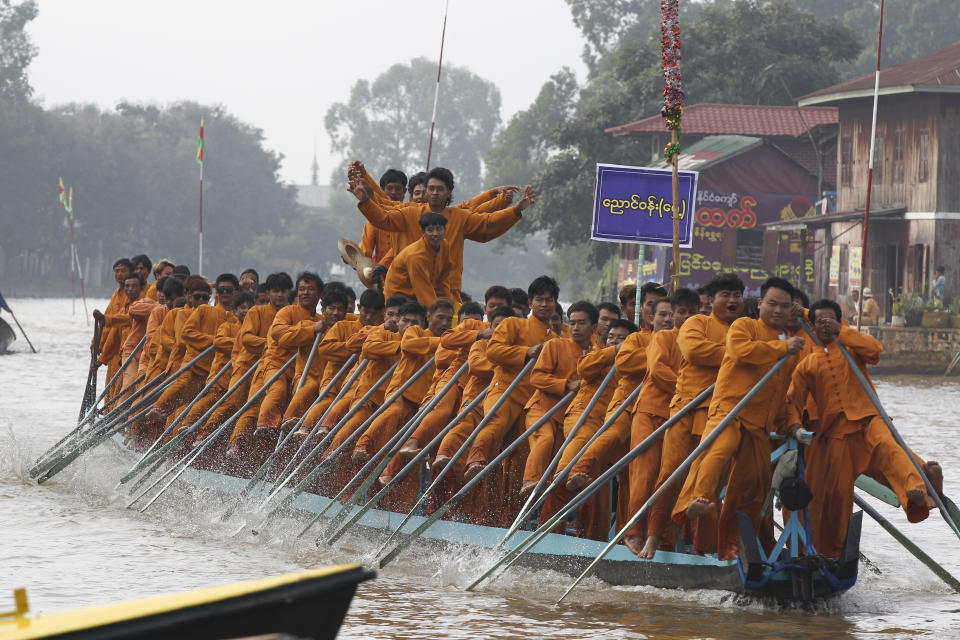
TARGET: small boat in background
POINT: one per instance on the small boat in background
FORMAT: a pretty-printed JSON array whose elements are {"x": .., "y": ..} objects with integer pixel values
[
  {"x": 6, "y": 336},
  {"x": 307, "y": 604}
]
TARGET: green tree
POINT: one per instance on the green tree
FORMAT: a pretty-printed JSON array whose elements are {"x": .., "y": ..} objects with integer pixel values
[
  {"x": 16, "y": 49},
  {"x": 386, "y": 123}
]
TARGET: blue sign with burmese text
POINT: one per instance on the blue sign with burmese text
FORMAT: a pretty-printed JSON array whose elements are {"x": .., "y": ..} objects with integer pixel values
[{"x": 635, "y": 204}]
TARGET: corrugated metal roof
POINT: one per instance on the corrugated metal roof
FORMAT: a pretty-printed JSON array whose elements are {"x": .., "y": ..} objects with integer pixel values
[
  {"x": 739, "y": 119},
  {"x": 937, "y": 72},
  {"x": 712, "y": 150}
]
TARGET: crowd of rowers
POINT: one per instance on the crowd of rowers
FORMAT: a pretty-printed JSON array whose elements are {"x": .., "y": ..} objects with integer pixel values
[{"x": 685, "y": 342}]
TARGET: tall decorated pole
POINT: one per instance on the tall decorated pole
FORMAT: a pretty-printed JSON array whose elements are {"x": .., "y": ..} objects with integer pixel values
[
  {"x": 75, "y": 269},
  {"x": 873, "y": 139},
  {"x": 200, "y": 162},
  {"x": 672, "y": 112},
  {"x": 436, "y": 94},
  {"x": 62, "y": 196}
]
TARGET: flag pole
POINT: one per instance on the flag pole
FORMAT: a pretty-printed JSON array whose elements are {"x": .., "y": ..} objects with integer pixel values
[
  {"x": 200, "y": 229},
  {"x": 75, "y": 269},
  {"x": 672, "y": 112},
  {"x": 873, "y": 139},
  {"x": 436, "y": 94}
]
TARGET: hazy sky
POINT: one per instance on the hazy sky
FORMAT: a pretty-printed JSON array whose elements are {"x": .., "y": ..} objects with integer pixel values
[{"x": 280, "y": 65}]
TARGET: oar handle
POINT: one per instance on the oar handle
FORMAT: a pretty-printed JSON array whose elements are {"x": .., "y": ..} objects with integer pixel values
[{"x": 309, "y": 363}]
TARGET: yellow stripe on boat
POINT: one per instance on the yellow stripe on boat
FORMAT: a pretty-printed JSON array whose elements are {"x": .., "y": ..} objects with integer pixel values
[{"x": 23, "y": 627}]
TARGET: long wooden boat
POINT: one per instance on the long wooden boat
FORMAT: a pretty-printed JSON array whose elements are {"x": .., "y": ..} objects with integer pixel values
[
  {"x": 6, "y": 336},
  {"x": 307, "y": 604},
  {"x": 783, "y": 577}
]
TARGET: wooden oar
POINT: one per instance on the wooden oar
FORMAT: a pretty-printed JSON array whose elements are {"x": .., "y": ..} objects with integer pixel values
[
  {"x": 461, "y": 450},
  {"x": 476, "y": 480},
  {"x": 4, "y": 305},
  {"x": 705, "y": 443},
  {"x": 119, "y": 376},
  {"x": 160, "y": 455},
  {"x": 931, "y": 491},
  {"x": 176, "y": 422},
  {"x": 98, "y": 434},
  {"x": 309, "y": 363},
  {"x": 285, "y": 476},
  {"x": 267, "y": 466},
  {"x": 409, "y": 467},
  {"x": 538, "y": 495},
  {"x": 90, "y": 390},
  {"x": 383, "y": 457},
  {"x": 908, "y": 544},
  {"x": 530, "y": 541},
  {"x": 348, "y": 442},
  {"x": 318, "y": 425},
  {"x": 181, "y": 465}
]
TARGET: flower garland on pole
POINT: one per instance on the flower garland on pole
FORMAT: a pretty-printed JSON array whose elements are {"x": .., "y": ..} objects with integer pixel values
[{"x": 672, "y": 113}]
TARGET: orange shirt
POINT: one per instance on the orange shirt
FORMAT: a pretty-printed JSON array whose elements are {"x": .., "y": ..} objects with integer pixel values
[
  {"x": 702, "y": 340},
  {"x": 416, "y": 347},
  {"x": 223, "y": 344},
  {"x": 151, "y": 292},
  {"x": 480, "y": 371},
  {"x": 593, "y": 368},
  {"x": 462, "y": 224},
  {"x": 660, "y": 383},
  {"x": 150, "y": 349},
  {"x": 420, "y": 272},
  {"x": 290, "y": 333},
  {"x": 332, "y": 350},
  {"x": 375, "y": 243},
  {"x": 139, "y": 312},
  {"x": 115, "y": 317},
  {"x": 752, "y": 348},
  {"x": 382, "y": 348},
  {"x": 826, "y": 376},
  {"x": 631, "y": 366},
  {"x": 198, "y": 333},
  {"x": 556, "y": 366},
  {"x": 253, "y": 335},
  {"x": 508, "y": 351}
]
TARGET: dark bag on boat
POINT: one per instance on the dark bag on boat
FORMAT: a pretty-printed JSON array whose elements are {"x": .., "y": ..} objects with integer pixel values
[{"x": 794, "y": 493}]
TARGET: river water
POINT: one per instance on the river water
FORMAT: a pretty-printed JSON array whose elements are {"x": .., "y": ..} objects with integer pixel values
[{"x": 72, "y": 542}]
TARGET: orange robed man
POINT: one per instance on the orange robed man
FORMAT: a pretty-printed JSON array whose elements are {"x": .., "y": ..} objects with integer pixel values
[
  {"x": 753, "y": 347},
  {"x": 333, "y": 352},
  {"x": 555, "y": 375},
  {"x": 121, "y": 324},
  {"x": 253, "y": 341},
  {"x": 421, "y": 271},
  {"x": 172, "y": 294},
  {"x": 514, "y": 342},
  {"x": 376, "y": 243},
  {"x": 702, "y": 343},
  {"x": 110, "y": 338},
  {"x": 462, "y": 224},
  {"x": 293, "y": 332},
  {"x": 851, "y": 437},
  {"x": 652, "y": 406}
]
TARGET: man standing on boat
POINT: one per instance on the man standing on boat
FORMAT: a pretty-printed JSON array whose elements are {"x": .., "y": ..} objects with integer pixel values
[
  {"x": 753, "y": 347},
  {"x": 851, "y": 437},
  {"x": 421, "y": 271},
  {"x": 462, "y": 224},
  {"x": 702, "y": 343}
]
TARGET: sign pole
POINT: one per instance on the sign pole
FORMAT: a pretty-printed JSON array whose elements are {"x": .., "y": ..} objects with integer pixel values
[
  {"x": 675, "y": 266},
  {"x": 670, "y": 53}
]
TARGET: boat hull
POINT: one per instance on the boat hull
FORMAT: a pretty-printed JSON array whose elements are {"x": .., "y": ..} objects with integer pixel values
[{"x": 6, "y": 336}]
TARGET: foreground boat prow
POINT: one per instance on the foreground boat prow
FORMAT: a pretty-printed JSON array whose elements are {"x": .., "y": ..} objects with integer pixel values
[{"x": 307, "y": 604}]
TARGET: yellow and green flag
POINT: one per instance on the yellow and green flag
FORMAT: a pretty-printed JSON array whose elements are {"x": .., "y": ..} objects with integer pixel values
[{"x": 200, "y": 144}]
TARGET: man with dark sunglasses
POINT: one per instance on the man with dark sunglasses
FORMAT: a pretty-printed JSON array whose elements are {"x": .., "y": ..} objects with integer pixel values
[{"x": 226, "y": 287}]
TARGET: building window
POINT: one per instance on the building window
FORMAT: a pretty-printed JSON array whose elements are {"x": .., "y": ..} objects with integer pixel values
[
  {"x": 923, "y": 157},
  {"x": 878, "y": 160},
  {"x": 898, "y": 158},
  {"x": 846, "y": 161}
]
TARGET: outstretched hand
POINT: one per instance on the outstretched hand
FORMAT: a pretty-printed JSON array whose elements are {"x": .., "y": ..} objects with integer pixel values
[
  {"x": 360, "y": 189},
  {"x": 527, "y": 199},
  {"x": 506, "y": 191}
]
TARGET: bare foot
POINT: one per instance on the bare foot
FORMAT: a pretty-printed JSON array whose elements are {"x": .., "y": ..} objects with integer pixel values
[
  {"x": 359, "y": 456},
  {"x": 935, "y": 475},
  {"x": 699, "y": 507},
  {"x": 288, "y": 424},
  {"x": 649, "y": 547},
  {"x": 153, "y": 415},
  {"x": 526, "y": 490},
  {"x": 917, "y": 497},
  {"x": 577, "y": 482},
  {"x": 472, "y": 470},
  {"x": 438, "y": 464},
  {"x": 384, "y": 480},
  {"x": 410, "y": 449},
  {"x": 635, "y": 544}
]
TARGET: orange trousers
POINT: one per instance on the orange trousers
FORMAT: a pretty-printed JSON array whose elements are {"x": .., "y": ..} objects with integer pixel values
[
  {"x": 644, "y": 469},
  {"x": 182, "y": 390},
  {"x": 490, "y": 440},
  {"x": 833, "y": 464},
  {"x": 276, "y": 399},
  {"x": 301, "y": 400},
  {"x": 247, "y": 422},
  {"x": 386, "y": 425},
  {"x": 544, "y": 444}
]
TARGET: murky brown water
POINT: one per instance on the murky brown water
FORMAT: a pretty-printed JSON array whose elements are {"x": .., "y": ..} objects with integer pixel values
[{"x": 72, "y": 542}]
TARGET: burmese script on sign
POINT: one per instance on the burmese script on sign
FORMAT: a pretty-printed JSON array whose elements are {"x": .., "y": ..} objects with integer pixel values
[{"x": 635, "y": 204}]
